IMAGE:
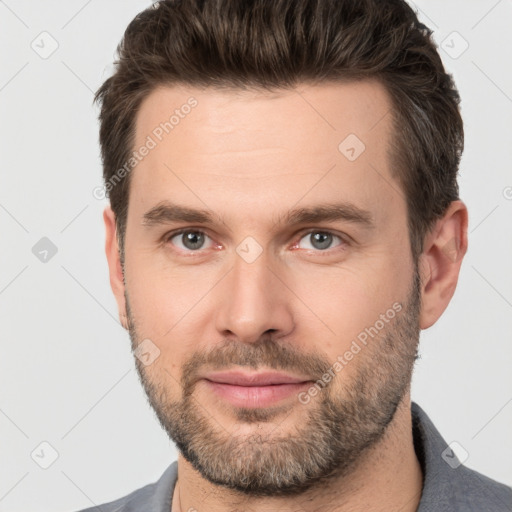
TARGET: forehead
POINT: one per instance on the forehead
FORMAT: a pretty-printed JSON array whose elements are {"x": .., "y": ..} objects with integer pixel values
[
  {"x": 327, "y": 141},
  {"x": 245, "y": 119}
]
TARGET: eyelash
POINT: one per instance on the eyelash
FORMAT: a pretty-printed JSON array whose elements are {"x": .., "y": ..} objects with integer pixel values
[{"x": 343, "y": 240}]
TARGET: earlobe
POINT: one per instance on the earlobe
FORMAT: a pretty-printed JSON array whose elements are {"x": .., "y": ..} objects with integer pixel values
[
  {"x": 440, "y": 262},
  {"x": 114, "y": 263}
]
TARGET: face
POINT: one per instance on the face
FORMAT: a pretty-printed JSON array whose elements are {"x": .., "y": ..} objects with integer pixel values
[{"x": 298, "y": 262}]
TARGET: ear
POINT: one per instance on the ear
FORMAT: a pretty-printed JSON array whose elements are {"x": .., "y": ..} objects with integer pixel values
[
  {"x": 440, "y": 262},
  {"x": 114, "y": 263}
]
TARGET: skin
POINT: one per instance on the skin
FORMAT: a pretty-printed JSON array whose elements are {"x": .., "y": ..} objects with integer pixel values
[{"x": 249, "y": 157}]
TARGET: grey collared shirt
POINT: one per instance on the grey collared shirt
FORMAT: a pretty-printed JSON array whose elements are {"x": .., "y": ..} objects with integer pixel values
[{"x": 448, "y": 486}]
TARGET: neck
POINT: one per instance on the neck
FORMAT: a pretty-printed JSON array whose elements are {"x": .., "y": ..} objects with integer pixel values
[{"x": 388, "y": 477}]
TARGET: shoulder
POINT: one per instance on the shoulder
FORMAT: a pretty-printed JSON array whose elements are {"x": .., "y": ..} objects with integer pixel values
[
  {"x": 154, "y": 497},
  {"x": 481, "y": 492},
  {"x": 464, "y": 489},
  {"x": 136, "y": 500},
  {"x": 449, "y": 486}
]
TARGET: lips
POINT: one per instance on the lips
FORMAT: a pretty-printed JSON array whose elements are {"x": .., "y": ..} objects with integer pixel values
[
  {"x": 237, "y": 378},
  {"x": 255, "y": 390}
]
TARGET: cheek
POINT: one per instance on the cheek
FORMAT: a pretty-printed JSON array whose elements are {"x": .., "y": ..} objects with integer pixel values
[
  {"x": 347, "y": 300},
  {"x": 337, "y": 298},
  {"x": 168, "y": 307},
  {"x": 161, "y": 294}
]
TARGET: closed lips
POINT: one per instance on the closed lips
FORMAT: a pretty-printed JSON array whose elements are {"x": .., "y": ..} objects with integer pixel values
[{"x": 262, "y": 379}]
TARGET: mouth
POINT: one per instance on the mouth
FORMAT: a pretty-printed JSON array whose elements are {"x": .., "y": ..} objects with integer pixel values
[{"x": 257, "y": 389}]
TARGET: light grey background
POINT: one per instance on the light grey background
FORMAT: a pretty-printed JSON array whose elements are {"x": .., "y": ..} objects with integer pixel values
[{"x": 66, "y": 373}]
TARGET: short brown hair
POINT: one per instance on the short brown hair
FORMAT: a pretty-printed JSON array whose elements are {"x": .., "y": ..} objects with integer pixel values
[{"x": 273, "y": 44}]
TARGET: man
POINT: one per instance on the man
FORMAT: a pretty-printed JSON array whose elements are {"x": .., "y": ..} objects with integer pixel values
[{"x": 284, "y": 219}]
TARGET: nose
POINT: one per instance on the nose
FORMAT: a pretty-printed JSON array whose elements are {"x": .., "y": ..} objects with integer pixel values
[{"x": 253, "y": 300}]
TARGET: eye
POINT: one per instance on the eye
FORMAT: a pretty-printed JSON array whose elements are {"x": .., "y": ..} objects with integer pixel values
[
  {"x": 188, "y": 239},
  {"x": 319, "y": 240}
]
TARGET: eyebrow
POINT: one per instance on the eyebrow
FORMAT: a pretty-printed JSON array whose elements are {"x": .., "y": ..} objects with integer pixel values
[{"x": 167, "y": 212}]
